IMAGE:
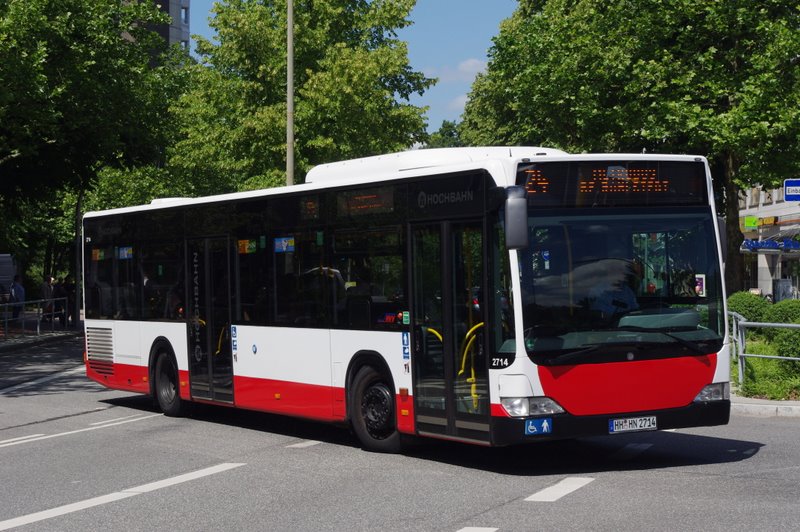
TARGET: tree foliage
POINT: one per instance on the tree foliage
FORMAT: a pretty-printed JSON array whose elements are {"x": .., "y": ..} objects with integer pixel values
[
  {"x": 717, "y": 78},
  {"x": 351, "y": 77},
  {"x": 447, "y": 136},
  {"x": 84, "y": 84},
  {"x": 76, "y": 90}
]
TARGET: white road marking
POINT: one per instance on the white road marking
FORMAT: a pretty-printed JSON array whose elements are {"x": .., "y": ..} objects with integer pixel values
[
  {"x": 113, "y": 420},
  {"x": 40, "y": 438},
  {"x": 54, "y": 376},
  {"x": 111, "y": 497},
  {"x": 21, "y": 438},
  {"x": 630, "y": 451},
  {"x": 555, "y": 492},
  {"x": 477, "y": 529},
  {"x": 303, "y": 444}
]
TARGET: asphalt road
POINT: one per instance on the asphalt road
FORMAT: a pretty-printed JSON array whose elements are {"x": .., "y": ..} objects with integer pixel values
[{"x": 75, "y": 456}]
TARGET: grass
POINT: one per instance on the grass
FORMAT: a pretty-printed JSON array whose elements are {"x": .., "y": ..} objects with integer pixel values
[{"x": 767, "y": 378}]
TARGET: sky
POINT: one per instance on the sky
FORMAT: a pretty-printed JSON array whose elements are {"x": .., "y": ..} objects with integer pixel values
[{"x": 448, "y": 40}]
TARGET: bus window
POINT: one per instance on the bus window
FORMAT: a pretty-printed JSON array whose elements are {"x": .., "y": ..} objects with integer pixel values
[{"x": 371, "y": 265}]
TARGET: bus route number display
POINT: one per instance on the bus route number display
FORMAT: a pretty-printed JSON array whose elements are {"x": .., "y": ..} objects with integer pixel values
[{"x": 599, "y": 183}]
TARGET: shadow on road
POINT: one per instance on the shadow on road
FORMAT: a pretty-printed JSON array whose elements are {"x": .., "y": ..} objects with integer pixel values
[{"x": 641, "y": 451}]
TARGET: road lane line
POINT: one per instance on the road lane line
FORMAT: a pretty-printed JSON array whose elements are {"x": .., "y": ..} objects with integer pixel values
[
  {"x": 303, "y": 444},
  {"x": 112, "y": 497},
  {"x": 21, "y": 438},
  {"x": 49, "y": 436},
  {"x": 113, "y": 420},
  {"x": 477, "y": 529},
  {"x": 555, "y": 492},
  {"x": 54, "y": 376},
  {"x": 631, "y": 450}
]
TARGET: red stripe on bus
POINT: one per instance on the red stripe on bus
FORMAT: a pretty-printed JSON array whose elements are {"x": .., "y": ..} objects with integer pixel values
[
  {"x": 405, "y": 414},
  {"x": 284, "y": 397},
  {"x": 307, "y": 400},
  {"x": 121, "y": 377},
  {"x": 618, "y": 387},
  {"x": 267, "y": 395}
]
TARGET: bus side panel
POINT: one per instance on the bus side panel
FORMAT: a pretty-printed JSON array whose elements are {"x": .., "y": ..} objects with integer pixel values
[
  {"x": 389, "y": 345},
  {"x": 283, "y": 370},
  {"x": 118, "y": 352},
  {"x": 619, "y": 387}
]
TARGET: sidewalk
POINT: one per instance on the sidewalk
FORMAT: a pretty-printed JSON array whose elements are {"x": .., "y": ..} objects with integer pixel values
[
  {"x": 740, "y": 406},
  {"x": 746, "y": 406},
  {"x": 16, "y": 344}
]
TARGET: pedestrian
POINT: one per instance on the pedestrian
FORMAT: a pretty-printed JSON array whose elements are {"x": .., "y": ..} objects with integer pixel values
[
  {"x": 17, "y": 296},
  {"x": 70, "y": 288},
  {"x": 59, "y": 301},
  {"x": 47, "y": 295}
]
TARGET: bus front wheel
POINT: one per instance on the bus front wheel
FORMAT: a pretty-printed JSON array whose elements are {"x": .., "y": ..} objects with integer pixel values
[
  {"x": 167, "y": 387},
  {"x": 372, "y": 411}
]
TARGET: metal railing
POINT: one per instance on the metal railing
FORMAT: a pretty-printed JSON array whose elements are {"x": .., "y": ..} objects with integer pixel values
[
  {"x": 739, "y": 326},
  {"x": 32, "y": 315}
]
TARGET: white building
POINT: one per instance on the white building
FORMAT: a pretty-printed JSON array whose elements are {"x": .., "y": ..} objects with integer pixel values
[{"x": 771, "y": 228}]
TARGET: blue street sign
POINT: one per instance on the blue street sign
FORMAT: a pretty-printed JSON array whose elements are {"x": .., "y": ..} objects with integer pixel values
[{"x": 791, "y": 189}]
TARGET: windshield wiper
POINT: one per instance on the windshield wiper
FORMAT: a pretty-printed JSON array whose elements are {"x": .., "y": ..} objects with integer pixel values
[
  {"x": 566, "y": 357},
  {"x": 686, "y": 343}
]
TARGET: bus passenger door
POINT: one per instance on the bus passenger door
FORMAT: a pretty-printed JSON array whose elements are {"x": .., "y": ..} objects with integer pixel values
[
  {"x": 450, "y": 370},
  {"x": 208, "y": 305}
]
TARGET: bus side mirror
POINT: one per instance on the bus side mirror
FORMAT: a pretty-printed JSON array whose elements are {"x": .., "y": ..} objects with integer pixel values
[
  {"x": 516, "y": 217},
  {"x": 723, "y": 237}
]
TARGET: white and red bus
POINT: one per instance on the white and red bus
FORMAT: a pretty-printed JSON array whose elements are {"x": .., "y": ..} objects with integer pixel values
[{"x": 488, "y": 295}]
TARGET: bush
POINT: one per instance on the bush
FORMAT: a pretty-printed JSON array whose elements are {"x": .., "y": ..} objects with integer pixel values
[
  {"x": 786, "y": 343},
  {"x": 751, "y": 306},
  {"x": 786, "y": 311},
  {"x": 766, "y": 379}
]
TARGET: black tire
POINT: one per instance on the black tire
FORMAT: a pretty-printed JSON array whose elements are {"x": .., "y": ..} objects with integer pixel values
[
  {"x": 372, "y": 411},
  {"x": 167, "y": 387}
]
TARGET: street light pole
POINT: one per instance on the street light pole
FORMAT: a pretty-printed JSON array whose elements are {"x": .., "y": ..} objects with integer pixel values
[{"x": 290, "y": 92}]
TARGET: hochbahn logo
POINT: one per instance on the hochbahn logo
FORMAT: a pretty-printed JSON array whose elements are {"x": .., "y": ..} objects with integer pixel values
[{"x": 425, "y": 200}]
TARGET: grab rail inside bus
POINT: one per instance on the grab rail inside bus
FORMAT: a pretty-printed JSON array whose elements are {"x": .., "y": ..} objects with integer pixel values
[{"x": 469, "y": 339}]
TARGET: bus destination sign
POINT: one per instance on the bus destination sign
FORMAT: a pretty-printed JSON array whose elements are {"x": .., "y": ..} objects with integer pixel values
[{"x": 613, "y": 183}]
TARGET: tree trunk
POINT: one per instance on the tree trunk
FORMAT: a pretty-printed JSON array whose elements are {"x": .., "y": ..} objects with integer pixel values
[
  {"x": 734, "y": 263},
  {"x": 78, "y": 252}
]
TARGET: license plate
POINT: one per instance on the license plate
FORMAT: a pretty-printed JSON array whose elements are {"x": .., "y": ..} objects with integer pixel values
[{"x": 632, "y": 424}]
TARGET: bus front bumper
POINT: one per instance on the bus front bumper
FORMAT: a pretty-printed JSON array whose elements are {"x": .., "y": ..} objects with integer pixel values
[{"x": 513, "y": 431}]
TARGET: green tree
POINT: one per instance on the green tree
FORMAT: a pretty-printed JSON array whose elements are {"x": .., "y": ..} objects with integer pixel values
[
  {"x": 716, "y": 78},
  {"x": 447, "y": 136},
  {"x": 352, "y": 77},
  {"x": 76, "y": 89},
  {"x": 82, "y": 85}
]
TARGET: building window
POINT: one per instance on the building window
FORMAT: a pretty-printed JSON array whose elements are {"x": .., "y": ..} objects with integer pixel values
[{"x": 185, "y": 15}]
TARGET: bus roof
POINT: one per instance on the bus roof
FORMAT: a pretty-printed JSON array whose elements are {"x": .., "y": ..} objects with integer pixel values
[
  {"x": 400, "y": 165},
  {"x": 406, "y": 161}
]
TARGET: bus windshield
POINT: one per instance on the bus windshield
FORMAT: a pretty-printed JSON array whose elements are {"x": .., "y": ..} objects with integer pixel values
[{"x": 621, "y": 284}]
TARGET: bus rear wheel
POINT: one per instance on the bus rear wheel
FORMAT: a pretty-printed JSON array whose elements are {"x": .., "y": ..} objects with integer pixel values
[
  {"x": 167, "y": 387},
  {"x": 372, "y": 411}
]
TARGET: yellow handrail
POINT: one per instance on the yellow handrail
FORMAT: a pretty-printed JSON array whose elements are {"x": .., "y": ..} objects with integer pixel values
[
  {"x": 436, "y": 333},
  {"x": 469, "y": 339},
  {"x": 468, "y": 343}
]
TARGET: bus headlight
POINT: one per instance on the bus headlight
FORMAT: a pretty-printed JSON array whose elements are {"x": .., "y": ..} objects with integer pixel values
[
  {"x": 530, "y": 406},
  {"x": 720, "y": 391}
]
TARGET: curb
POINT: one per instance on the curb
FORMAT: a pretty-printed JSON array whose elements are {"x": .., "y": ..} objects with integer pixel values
[{"x": 765, "y": 410}]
